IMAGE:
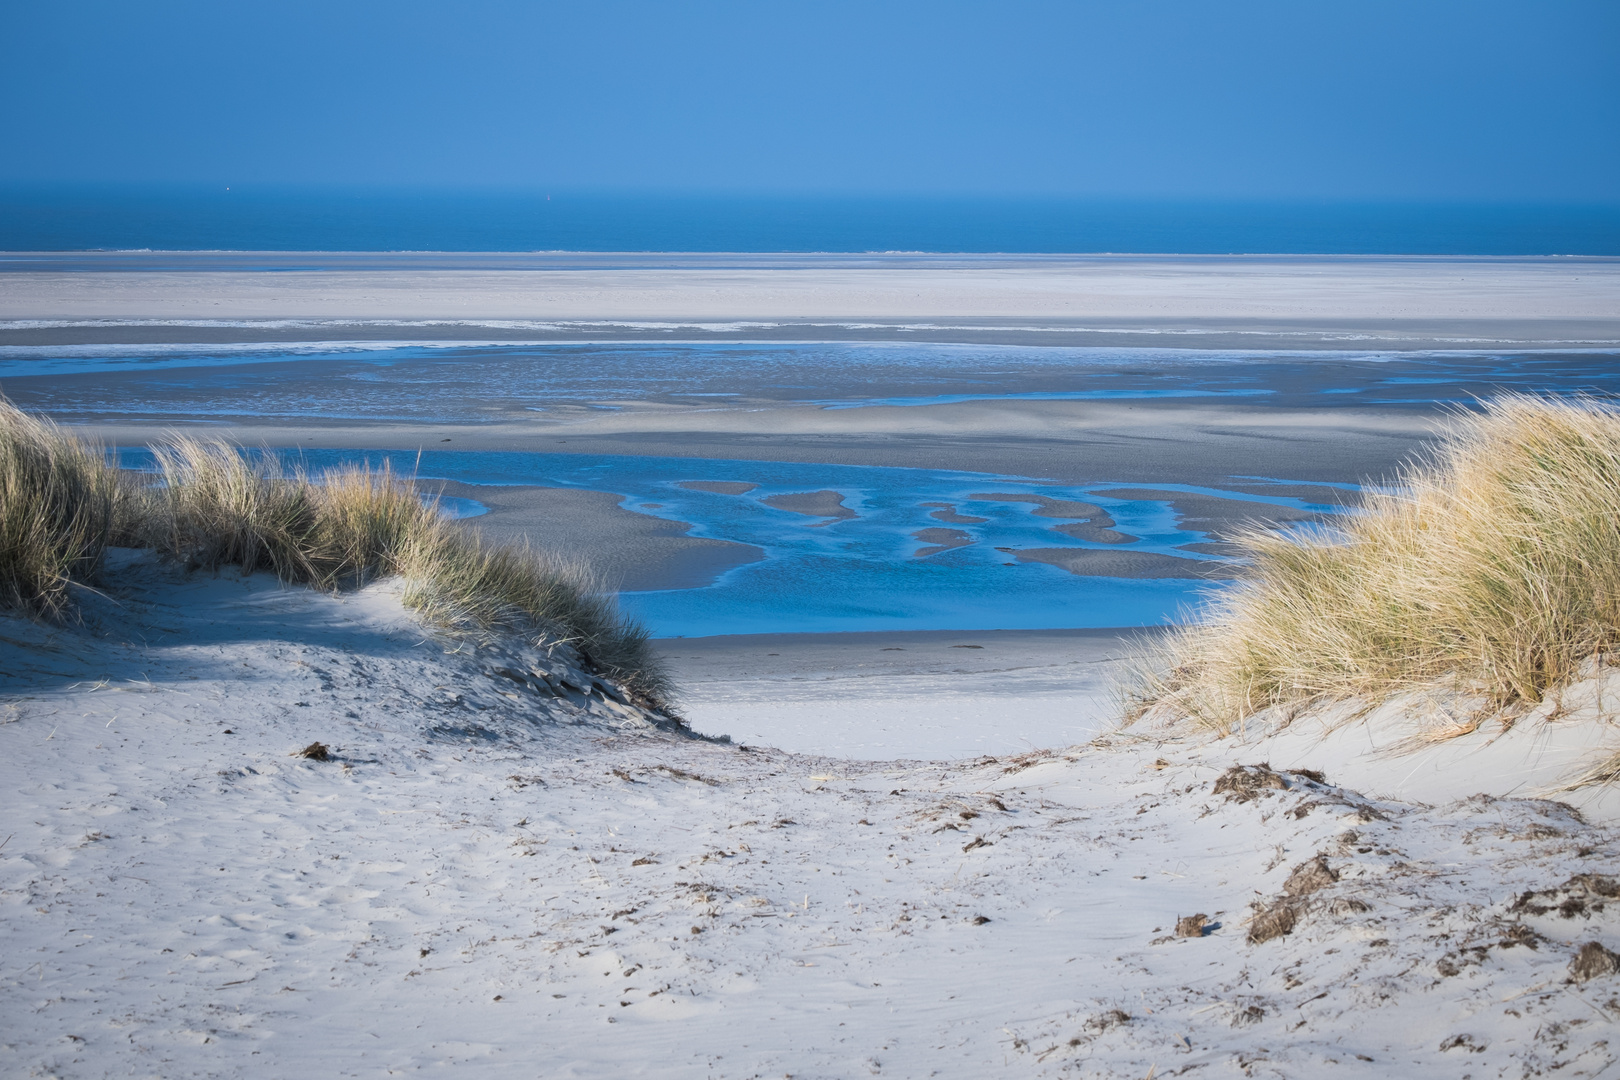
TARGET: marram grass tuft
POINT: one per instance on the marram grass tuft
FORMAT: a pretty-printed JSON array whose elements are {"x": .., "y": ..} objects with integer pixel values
[
  {"x": 59, "y": 508},
  {"x": 1491, "y": 568},
  {"x": 214, "y": 505}
]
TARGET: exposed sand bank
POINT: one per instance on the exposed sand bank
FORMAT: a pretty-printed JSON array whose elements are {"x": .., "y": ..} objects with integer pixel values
[
  {"x": 1088, "y": 522},
  {"x": 939, "y": 540},
  {"x": 1074, "y": 442},
  {"x": 1071, "y": 441},
  {"x": 946, "y": 512},
  {"x": 1256, "y": 292},
  {"x": 1132, "y": 564},
  {"x": 817, "y": 504},
  {"x": 718, "y": 487},
  {"x": 630, "y": 551}
]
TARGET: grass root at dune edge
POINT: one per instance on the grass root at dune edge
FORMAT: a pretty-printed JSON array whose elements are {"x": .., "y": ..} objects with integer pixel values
[
  {"x": 62, "y": 504},
  {"x": 1490, "y": 571}
]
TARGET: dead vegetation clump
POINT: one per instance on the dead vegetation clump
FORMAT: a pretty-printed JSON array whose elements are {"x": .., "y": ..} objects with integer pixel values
[
  {"x": 1275, "y": 921},
  {"x": 316, "y": 751},
  {"x": 1282, "y": 915},
  {"x": 1104, "y": 1021},
  {"x": 214, "y": 504},
  {"x": 1193, "y": 926},
  {"x": 1583, "y": 895},
  {"x": 1245, "y": 783},
  {"x": 1491, "y": 569},
  {"x": 1592, "y": 962},
  {"x": 1310, "y": 876},
  {"x": 1248, "y": 1016}
]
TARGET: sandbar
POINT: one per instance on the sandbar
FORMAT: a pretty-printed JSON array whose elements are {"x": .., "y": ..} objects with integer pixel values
[
  {"x": 1388, "y": 300},
  {"x": 1091, "y": 562},
  {"x": 821, "y": 504},
  {"x": 1093, "y": 522},
  {"x": 1222, "y": 519},
  {"x": 718, "y": 487},
  {"x": 1071, "y": 442},
  {"x": 940, "y": 540},
  {"x": 631, "y": 552},
  {"x": 947, "y": 513}
]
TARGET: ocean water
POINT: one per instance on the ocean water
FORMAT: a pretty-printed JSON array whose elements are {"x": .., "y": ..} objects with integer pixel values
[
  {"x": 867, "y": 571},
  {"x": 352, "y": 220}
]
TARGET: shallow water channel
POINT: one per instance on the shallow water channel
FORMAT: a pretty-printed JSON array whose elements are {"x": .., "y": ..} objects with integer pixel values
[{"x": 858, "y": 548}]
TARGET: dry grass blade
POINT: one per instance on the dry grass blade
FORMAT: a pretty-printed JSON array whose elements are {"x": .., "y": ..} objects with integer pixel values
[
  {"x": 1493, "y": 569},
  {"x": 1606, "y": 771},
  {"x": 217, "y": 505},
  {"x": 458, "y": 580},
  {"x": 60, "y": 505}
]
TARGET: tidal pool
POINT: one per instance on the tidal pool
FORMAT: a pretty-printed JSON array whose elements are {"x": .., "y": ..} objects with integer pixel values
[{"x": 841, "y": 546}]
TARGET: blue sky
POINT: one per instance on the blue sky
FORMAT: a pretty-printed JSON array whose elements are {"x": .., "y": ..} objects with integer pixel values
[{"x": 1153, "y": 98}]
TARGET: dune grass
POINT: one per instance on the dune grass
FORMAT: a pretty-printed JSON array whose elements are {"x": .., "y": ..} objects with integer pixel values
[
  {"x": 62, "y": 504},
  {"x": 59, "y": 505},
  {"x": 218, "y": 506},
  {"x": 1491, "y": 568}
]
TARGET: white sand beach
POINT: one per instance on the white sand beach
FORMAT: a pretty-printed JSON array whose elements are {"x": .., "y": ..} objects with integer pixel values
[
  {"x": 902, "y": 853},
  {"x": 1149, "y": 289},
  {"x": 935, "y": 694},
  {"x": 502, "y": 867}
]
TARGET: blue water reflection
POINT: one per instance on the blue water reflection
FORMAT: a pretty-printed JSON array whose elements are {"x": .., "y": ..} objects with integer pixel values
[{"x": 827, "y": 574}]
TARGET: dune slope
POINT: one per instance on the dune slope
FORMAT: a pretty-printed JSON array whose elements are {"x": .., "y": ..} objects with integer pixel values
[{"x": 496, "y": 867}]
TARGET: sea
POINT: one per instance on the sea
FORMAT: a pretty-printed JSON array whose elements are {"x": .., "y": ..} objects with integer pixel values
[{"x": 249, "y": 218}]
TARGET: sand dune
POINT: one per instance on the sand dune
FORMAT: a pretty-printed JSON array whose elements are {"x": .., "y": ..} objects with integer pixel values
[{"x": 517, "y": 876}]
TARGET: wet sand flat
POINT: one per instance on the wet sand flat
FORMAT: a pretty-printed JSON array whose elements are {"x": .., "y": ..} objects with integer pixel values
[
  {"x": 1089, "y": 562},
  {"x": 1086, "y": 521},
  {"x": 947, "y": 513},
  {"x": 718, "y": 487},
  {"x": 1079, "y": 442},
  {"x": 1071, "y": 441},
  {"x": 630, "y": 551},
  {"x": 819, "y": 504},
  {"x": 1221, "y": 518},
  {"x": 939, "y": 540}
]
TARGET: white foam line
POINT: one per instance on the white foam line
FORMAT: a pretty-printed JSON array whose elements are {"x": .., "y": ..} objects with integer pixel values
[
  {"x": 156, "y": 349},
  {"x": 732, "y": 327}
]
